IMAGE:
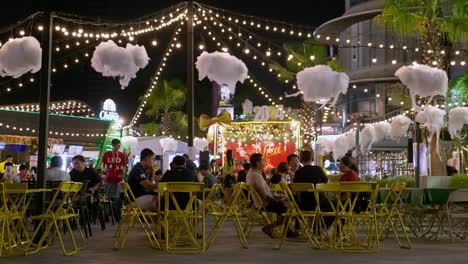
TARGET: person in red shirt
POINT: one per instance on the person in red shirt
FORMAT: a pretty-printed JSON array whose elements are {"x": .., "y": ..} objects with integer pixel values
[
  {"x": 114, "y": 163},
  {"x": 346, "y": 167}
]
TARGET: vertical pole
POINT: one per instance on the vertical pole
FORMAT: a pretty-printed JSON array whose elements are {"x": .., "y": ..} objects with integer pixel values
[
  {"x": 44, "y": 107},
  {"x": 418, "y": 154},
  {"x": 358, "y": 125},
  {"x": 190, "y": 81},
  {"x": 215, "y": 99}
]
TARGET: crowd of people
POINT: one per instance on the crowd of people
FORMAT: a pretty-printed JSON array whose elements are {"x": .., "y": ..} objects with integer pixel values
[{"x": 144, "y": 177}]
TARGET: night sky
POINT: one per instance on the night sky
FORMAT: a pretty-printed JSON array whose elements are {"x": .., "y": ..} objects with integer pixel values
[{"x": 82, "y": 83}]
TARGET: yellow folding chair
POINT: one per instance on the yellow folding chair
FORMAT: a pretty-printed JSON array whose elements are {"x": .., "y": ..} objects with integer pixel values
[
  {"x": 330, "y": 192},
  {"x": 231, "y": 210},
  {"x": 131, "y": 213},
  {"x": 59, "y": 211},
  {"x": 16, "y": 201},
  {"x": 357, "y": 213},
  {"x": 389, "y": 214},
  {"x": 256, "y": 212},
  {"x": 214, "y": 200},
  {"x": 6, "y": 239},
  {"x": 182, "y": 212},
  {"x": 306, "y": 219}
]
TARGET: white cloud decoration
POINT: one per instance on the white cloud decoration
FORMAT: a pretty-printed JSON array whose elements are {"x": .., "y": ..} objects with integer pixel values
[
  {"x": 222, "y": 68},
  {"x": 320, "y": 83},
  {"x": 200, "y": 143},
  {"x": 20, "y": 56},
  {"x": 423, "y": 80},
  {"x": 113, "y": 61},
  {"x": 457, "y": 118},
  {"x": 168, "y": 144},
  {"x": 400, "y": 125},
  {"x": 130, "y": 143},
  {"x": 433, "y": 119}
]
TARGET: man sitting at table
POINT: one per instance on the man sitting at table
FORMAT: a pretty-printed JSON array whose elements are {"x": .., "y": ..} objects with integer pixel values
[
  {"x": 272, "y": 204},
  {"x": 80, "y": 173},
  {"x": 179, "y": 173},
  {"x": 140, "y": 180}
]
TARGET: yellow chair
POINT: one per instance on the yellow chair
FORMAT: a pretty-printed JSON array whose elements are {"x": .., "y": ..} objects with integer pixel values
[
  {"x": 59, "y": 211},
  {"x": 306, "y": 219},
  {"x": 5, "y": 233},
  {"x": 181, "y": 223},
  {"x": 16, "y": 201},
  {"x": 256, "y": 212},
  {"x": 214, "y": 200},
  {"x": 231, "y": 210},
  {"x": 357, "y": 213},
  {"x": 328, "y": 210},
  {"x": 389, "y": 213},
  {"x": 131, "y": 213}
]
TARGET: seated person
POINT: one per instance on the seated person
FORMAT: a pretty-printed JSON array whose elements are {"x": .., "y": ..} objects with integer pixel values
[
  {"x": 23, "y": 173},
  {"x": 139, "y": 181},
  {"x": 308, "y": 174},
  {"x": 179, "y": 173},
  {"x": 348, "y": 168},
  {"x": 205, "y": 176},
  {"x": 55, "y": 172},
  {"x": 242, "y": 174},
  {"x": 272, "y": 204},
  {"x": 80, "y": 173}
]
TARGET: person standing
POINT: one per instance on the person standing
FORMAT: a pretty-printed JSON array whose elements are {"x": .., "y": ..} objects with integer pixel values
[{"x": 115, "y": 163}]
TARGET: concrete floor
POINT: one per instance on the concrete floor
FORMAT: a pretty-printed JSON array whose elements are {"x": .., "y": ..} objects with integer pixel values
[{"x": 226, "y": 249}]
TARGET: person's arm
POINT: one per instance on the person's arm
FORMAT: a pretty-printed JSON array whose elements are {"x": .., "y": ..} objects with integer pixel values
[
  {"x": 148, "y": 185},
  {"x": 97, "y": 181},
  {"x": 323, "y": 177}
]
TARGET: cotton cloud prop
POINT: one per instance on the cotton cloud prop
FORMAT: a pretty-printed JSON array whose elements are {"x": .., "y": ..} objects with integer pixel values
[
  {"x": 457, "y": 118},
  {"x": 200, "y": 143},
  {"x": 168, "y": 144},
  {"x": 247, "y": 107},
  {"x": 400, "y": 125},
  {"x": 320, "y": 83},
  {"x": 20, "y": 56},
  {"x": 343, "y": 144},
  {"x": 222, "y": 68},
  {"x": 325, "y": 145},
  {"x": 423, "y": 80},
  {"x": 130, "y": 143},
  {"x": 432, "y": 118},
  {"x": 367, "y": 138},
  {"x": 114, "y": 61}
]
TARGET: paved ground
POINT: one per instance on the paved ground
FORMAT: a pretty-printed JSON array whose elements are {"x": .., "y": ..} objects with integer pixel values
[{"x": 227, "y": 250}]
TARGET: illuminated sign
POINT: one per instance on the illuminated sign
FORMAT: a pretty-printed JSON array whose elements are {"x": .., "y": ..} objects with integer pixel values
[{"x": 109, "y": 111}]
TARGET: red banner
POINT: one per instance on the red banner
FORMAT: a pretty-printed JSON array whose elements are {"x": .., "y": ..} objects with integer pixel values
[{"x": 273, "y": 152}]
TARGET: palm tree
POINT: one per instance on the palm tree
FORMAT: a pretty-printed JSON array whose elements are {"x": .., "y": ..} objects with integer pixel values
[
  {"x": 167, "y": 97},
  {"x": 436, "y": 24},
  {"x": 301, "y": 56}
]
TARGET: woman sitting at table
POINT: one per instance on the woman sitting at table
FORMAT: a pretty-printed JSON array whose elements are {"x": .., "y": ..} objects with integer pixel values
[{"x": 346, "y": 167}]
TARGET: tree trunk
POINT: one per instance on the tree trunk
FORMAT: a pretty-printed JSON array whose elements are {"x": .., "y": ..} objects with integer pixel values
[
  {"x": 307, "y": 113},
  {"x": 432, "y": 43},
  {"x": 165, "y": 126}
]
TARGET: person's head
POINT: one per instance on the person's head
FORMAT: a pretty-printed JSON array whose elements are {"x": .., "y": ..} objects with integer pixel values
[
  {"x": 78, "y": 163},
  {"x": 179, "y": 161},
  {"x": 9, "y": 158},
  {"x": 246, "y": 166},
  {"x": 306, "y": 157},
  {"x": 56, "y": 162},
  {"x": 283, "y": 167},
  {"x": 346, "y": 164},
  {"x": 212, "y": 162},
  {"x": 23, "y": 167},
  {"x": 274, "y": 171},
  {"x": 203, "y": 169},
  {"x": 147, "y": 158},
  {"x": 186, "y": 156},
  {"x": 115, "y": 144},
  {"x": 257, "y": 162},
  {"x": 293, "y": 162}
]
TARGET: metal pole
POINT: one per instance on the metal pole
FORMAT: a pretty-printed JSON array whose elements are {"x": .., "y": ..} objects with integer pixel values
[
  {"x": 190, "y": 81},
  {"x": 358, "y": 152},
  {"x": 418, "y": 154},
  {"x": 44, "y": 108}
]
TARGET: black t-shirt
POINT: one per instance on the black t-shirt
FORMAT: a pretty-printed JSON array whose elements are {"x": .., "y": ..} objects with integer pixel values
[
  {"x": 88, "y": 174},
  {"x": 309, "y": 174},
  {"x": 135, "y": 177},
  {"x": 179, "y": 174}
]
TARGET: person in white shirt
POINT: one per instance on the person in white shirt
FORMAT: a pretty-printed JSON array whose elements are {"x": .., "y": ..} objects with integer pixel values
[
  {"x": 272, "y": 204},
  {"x": 55, "y": 172}
]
